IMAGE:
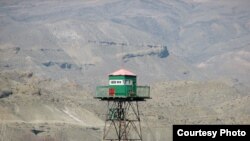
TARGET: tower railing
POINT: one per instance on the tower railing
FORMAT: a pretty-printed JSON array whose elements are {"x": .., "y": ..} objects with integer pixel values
[
  {"x": 141, "y": 92},
  {"x": 102, "y": 91}
]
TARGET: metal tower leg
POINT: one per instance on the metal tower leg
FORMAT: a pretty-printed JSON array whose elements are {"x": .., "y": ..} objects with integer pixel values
[{"x": 122, "y": 121}]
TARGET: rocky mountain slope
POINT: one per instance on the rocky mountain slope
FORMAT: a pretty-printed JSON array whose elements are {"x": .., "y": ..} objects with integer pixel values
[
  {"x": 37, "y": 109},
  {"x": 176, "y": 39},
  {"x": 194, "y": 54}
]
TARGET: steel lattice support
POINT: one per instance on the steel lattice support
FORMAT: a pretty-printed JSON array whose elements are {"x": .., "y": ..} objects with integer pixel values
[{"x": 122, "y": 121}]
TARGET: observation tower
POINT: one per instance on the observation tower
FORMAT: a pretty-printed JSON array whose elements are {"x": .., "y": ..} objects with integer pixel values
[{"x": 122, "y": 95}]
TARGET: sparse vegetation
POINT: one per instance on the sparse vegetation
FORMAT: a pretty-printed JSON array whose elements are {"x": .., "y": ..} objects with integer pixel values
[{"x": 194, "y": 54}]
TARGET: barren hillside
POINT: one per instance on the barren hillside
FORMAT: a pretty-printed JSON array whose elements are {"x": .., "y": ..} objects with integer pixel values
[{"x": 194, "y": 54}]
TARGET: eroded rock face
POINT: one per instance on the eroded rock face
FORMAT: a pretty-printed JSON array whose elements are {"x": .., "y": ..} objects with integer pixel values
[
  {"x": 5, "y": 93},
  {"x": 161, "y": 52},
  {"x": 53, "y": 54},
  {"x": 174, "y": 36},
  {"x": 15, "y": 82},
  {"x": 40, "y": 108}
]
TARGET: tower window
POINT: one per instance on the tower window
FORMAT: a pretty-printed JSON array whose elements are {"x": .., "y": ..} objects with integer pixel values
[
  {"x": 129, "y": 82},
  {"x": 116, "y": 82}
]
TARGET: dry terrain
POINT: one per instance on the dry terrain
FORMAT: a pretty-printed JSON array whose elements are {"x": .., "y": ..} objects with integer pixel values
[{"x": 194, "y": 54}]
